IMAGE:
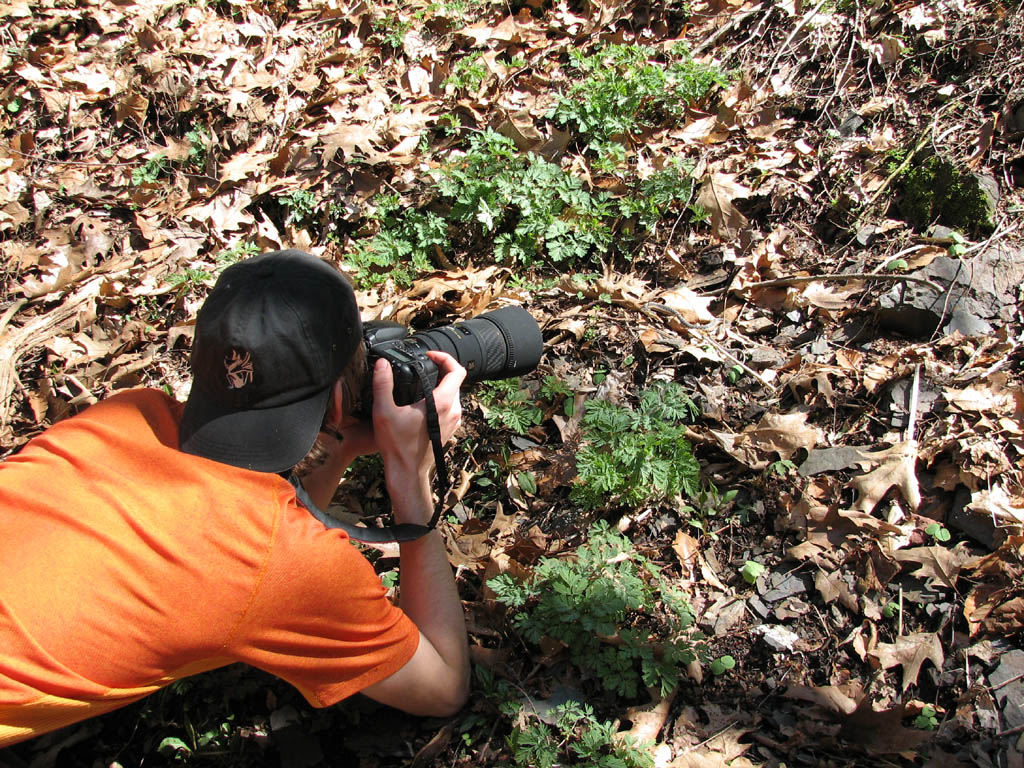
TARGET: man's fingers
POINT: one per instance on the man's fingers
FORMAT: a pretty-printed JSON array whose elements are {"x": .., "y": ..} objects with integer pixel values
[
  {"x": 450, "y": 373},
  {"x": 383, "y": 383}
]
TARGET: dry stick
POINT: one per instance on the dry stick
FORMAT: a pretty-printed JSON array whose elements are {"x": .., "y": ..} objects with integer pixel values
[
  {"x": 798, "y": 279},
  {"x": 796, "y": 30},
  {"x": 722, "y": 32},
  {"x": 914, "y": 396},
  {"x": 10, "y": 313}
]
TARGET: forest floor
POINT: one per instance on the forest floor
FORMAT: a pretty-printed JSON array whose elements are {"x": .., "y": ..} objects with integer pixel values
[{"x": 810, "y": 219}]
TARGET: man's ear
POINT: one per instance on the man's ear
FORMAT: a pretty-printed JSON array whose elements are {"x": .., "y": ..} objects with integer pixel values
[{"x": 335, "y": 404}]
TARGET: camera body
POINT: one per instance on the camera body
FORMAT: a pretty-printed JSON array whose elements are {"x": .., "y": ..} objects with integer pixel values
[
  {"x": 408, "y": 359},
  {"x": 495, "y": 345}
]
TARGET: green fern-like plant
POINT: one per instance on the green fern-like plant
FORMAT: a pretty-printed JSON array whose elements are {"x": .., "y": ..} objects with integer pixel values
[
  {"x": 577, "y": 737},
  {"x": 620, "y": 621},
  {"x": 621, "y": 89},
  {"x": 632, "y": 457},
  {"x": 402, "y": 246},
  {"x": 536, "y": 213},
  {"x": 508, "y": 405}
]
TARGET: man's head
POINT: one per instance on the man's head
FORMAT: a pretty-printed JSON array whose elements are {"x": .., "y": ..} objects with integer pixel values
[{"x": 271, "y": 340}]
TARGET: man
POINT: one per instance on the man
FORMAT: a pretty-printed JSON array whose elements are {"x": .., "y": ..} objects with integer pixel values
[{"x": 144, "y": 541}]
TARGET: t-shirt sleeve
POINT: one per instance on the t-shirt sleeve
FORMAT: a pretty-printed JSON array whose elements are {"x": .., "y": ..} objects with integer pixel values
[{"x": 319, "y": 616}]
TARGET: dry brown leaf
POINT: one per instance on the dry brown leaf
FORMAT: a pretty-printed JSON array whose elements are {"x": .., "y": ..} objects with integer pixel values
[
  {"x": 881, "y": 731},
  {"x": 716, "y": 196},
  {"x": 648, "y": 720},
  {"x": 693, "y": 308},
  {"x": 828, "y": 297},
  {"x": 909, "y": 652},
  {"x": 996, "y": 503},
  {"x": 989, "y": 397},
  {"x": 896, "y": 466},
  {"x": 776, "y": 434},
  {"x": 352, "y": 139},
  {"x": 940, "y": 563}
]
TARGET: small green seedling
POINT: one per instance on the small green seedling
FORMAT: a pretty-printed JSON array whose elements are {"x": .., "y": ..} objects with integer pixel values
[
  {"x": 734, "y": 374},
  {"x": 723, "y": 664},
  {"x": 891, "y": 609},
  {"x": 782, "y": 467},
  {"x": 897, "y": 265},
  {"x": 751, "y": 571},
  {"x": 149, "y": 172},
  {"x": 927, "y": 720},
  {"x": 938, "y": 532},
  {"x": 959, "y": 245}
]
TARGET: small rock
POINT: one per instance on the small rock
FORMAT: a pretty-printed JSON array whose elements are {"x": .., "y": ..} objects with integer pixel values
[
  {"x": 778, "y": 637},
  {"x": 758, "y": 607},
  {"x": 850, "y": 126},
  {"x": 976, "y": 292},
  {"x": 783, "y": 585},
  {"x": 1011, "y": 695}
]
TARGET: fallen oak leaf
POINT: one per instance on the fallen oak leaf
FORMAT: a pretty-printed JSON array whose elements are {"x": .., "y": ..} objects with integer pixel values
[
  {"x": 942, "y": 564},
  {"x": 776, "y": 433},
  {"x": 909, "y": 652},
  {"x": 716, "y": 196},
  {"x": 896, "y": 467}
]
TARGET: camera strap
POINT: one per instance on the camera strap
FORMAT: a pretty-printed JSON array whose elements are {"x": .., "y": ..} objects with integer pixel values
[{"x": 405, "y": 531}]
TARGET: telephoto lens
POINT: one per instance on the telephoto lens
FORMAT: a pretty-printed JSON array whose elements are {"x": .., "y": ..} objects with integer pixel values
[{"x": 499, "y": 344}]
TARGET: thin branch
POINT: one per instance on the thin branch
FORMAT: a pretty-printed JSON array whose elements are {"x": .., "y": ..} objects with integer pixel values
[
  {"x": 843, "y": 277},
  {"x": 796, "y": 30},
  {"x": 10, "y": 313},
  {"x": 724, "y": 31}
]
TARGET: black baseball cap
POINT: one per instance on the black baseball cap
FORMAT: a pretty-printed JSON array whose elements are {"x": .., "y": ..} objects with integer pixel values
[{"x": 271, "y": 339}]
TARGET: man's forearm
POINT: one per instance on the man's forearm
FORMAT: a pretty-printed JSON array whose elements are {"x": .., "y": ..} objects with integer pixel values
[{"x": 428, "y": 593}]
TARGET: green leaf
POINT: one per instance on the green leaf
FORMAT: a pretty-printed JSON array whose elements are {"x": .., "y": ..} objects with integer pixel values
[
  {"x": 172, "y": 747},
  {"x": 751, "y": 571},
  {"x": 527, "y": 482}
]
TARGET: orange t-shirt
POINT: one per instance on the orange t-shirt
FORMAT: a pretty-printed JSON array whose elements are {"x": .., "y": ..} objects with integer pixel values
[{"x": 126, "y": 564}]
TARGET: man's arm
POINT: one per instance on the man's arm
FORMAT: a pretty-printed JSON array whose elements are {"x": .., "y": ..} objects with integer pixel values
[{"x": 436, "y": 680}]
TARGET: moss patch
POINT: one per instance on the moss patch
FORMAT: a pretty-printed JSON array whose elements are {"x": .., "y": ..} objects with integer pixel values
[{"x": 937, "y": 191}]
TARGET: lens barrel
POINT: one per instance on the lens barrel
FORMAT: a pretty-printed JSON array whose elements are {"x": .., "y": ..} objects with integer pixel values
[{"x": 499, "y": 344}]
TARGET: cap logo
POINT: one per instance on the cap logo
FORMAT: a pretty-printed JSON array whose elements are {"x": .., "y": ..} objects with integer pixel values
[{"x": 238, "y": 366}]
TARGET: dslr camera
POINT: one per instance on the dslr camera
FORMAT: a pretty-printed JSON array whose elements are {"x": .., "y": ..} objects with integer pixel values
[{"x": 499, "y": 344}]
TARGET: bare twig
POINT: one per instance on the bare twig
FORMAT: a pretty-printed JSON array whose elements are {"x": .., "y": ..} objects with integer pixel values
[
  {"x": 796, "y": 30},
  {"x": 914, "y": 397},
  {"x": 10, "y": 313},
  {"x": 800, "y": 279},
  {"x": 724, "y": 31}
]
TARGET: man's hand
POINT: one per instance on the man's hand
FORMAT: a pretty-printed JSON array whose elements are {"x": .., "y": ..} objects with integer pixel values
[{"x": 401, "y": 431}]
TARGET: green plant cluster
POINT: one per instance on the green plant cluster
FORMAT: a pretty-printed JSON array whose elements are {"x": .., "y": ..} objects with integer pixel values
[
  {"x": 620, "y": 621},
  {"x": 577, "y": 737},
  {"x": 510, "y": 406},
  {"x": 632, "y": 457},
  {"x": 536, "y": 214},
  {"x": 467, "y": 74},
  {"x": 402, "y": 246},
  {"x": 937, "y": 191},
  {"x": 621, "y": 89}
]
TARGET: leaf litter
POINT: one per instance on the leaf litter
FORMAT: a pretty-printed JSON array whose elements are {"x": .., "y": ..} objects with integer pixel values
[{"x": 149, "y": 145}]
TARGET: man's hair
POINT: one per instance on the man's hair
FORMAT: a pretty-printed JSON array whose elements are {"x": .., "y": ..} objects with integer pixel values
[{"x": 352, "y": 381}]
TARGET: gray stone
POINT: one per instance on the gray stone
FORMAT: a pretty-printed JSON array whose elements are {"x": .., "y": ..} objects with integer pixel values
[
  {"x": 783, "y": 585},
  {"x": 1011, "y": 695},
  {"x": 978, "y": 292}
]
